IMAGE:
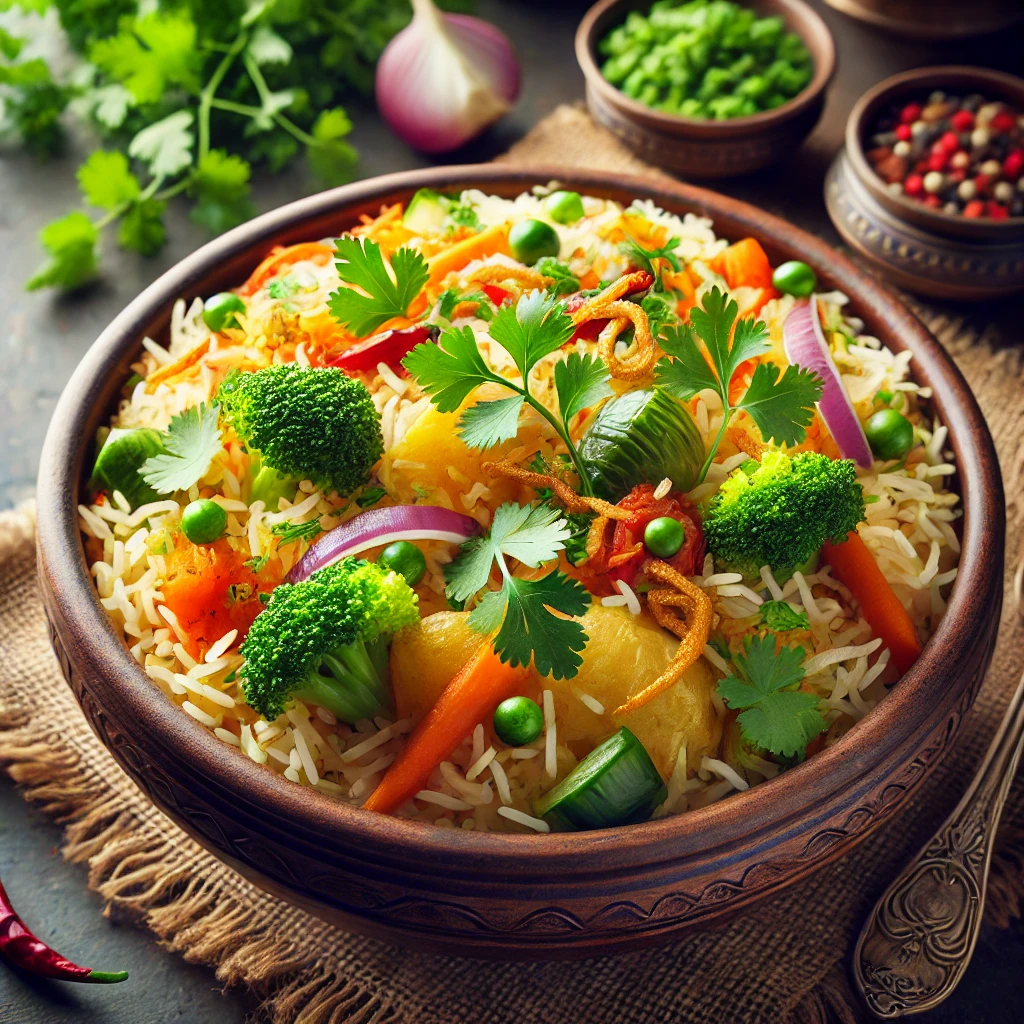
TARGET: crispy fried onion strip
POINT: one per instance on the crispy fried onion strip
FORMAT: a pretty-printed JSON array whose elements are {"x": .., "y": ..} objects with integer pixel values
[
  {"x": 495, "y": 272},
  {"x": 693, "y": 630},
  {"x": 606, "y": 305}
]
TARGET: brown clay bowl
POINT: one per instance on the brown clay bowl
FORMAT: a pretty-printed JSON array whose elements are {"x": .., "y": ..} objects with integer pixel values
[
  {"x": 920, "y": 249},
  {"x": 933, "y": 19},
  {"x": 707, "y": 149},
  {"x": 514, "y": 896}
]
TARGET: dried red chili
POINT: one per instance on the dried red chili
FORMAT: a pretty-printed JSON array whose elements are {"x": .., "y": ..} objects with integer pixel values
[
  {"x": 31, "y": 954},
  {"x": 389, "y": 347}
]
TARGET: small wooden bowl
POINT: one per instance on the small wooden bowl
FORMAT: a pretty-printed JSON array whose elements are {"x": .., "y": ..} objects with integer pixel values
[
  {"x": 920, "y": 249},
  {"x": 707, "y": 149},
  {"x": 933, "y": 19},
  {"x": 498, "y": 895}
]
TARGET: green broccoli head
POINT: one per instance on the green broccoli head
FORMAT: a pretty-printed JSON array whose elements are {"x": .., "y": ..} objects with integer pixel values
[
  {"x": 325, "y": 641},
  {"x": 781, "y": 513},
  {"x": 305, "y": 422}
]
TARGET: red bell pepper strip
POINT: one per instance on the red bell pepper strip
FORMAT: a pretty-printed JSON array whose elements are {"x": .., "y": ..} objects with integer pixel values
[
  {"x": 590, "y": 329},
  {"x": 389, "y": 347},
  {"x": 31, "y": 954},
  {"x": 499, "y": 296}
]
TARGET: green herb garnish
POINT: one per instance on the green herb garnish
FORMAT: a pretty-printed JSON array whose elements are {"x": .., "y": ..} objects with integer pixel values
[
  {"x": 283, "y": 287},
  {"x": 565, "y": 281},
  {"x": 370, "y": 497},
  {"x": 780, "y": 616},
  {"x": 288, "y": 533},
  {"x": 519, "y": 613},
  {"x": 192, "y": 439}
]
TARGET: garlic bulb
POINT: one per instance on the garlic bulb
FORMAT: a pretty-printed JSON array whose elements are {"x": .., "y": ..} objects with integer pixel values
[{"x": 444, "y": 78}]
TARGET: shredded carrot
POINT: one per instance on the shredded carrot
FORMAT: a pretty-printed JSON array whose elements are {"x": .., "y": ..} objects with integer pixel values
[
  {"x": 282, "y": 257},
  {"x": 856, "y": 567},
  {"x": 744, "y": 265},
  {"x": 369, "y": 226},
  {"x": 477, "y": 247},
  {"x": 179, "y": 366},
  {"x": 693, "y": 631},
  {"x": 682, "y": 282},
  {"x": 479, "y": 686}
]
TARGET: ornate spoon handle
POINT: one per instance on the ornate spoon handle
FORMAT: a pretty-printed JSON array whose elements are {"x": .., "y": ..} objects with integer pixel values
[{"x": 919, "y": 938}]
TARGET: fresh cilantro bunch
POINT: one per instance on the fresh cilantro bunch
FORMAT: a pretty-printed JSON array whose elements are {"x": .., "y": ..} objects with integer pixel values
[
  {"x": 519, "y": 614},
  {"x": 782, "y": 407},
  {"x": 775, "y": 715},
  {"x": 536, "y": 326},
  {"x": 192, "y": 439},
  {"x": 187, "y": 99}
]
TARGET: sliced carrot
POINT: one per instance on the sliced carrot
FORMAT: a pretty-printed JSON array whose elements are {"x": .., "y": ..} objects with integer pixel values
[
  {"x": 282, "y": 257},
  {"x": 480, "y": 685},
  {"x": 744, "y": 265},
  {"x": 371, "y": 225},
  {"x": 855, "y": 566},
  {"x": 179, "y": 366},
  {"x": 477, "y": 247},
  {"x": 682, "y": 282}
]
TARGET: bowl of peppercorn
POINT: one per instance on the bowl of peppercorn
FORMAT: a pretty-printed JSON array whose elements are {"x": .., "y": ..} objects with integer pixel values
[
  {"x": 930, "y": 183},
  {"x": 706, "y": 90}
]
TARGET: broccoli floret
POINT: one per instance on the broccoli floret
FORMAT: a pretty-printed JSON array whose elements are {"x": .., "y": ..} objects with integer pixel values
[
  {"x": 325, "y": 641},
  {"x": 780, "y": 512},
  {"x": 304, "y": 422}
]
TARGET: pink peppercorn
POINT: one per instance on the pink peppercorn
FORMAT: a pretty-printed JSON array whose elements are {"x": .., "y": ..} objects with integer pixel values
[
  {"x": 903, "y": 132},
  {"x": 982, "y": 183},
  {"x": 962, "y": 121},
  {"x": 914, "y": 185},
  {"x": 1002, "y": 122},
  {"x": 996, "y": 212},
  {"x": 1013, "y": 165},
  {"x": 975, "y": 208},
  {"x": 938, "y": 161},
  {"x": 932, "y": 201},
  {"x": 910, "y": 113},
  {"x": 950, "y": 142}
]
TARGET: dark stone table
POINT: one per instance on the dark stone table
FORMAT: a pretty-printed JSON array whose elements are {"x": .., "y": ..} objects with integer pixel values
[{"x": 42, "y": 337}]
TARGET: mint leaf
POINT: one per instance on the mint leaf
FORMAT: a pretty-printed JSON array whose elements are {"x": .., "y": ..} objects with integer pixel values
[
  {"x": 71, "y": 244},
  {"x": 489, "y": 423},
  {"x": 780, "y": 616},
  {"x": 534, "y": 328},
  {"x": 782, "y": 409},
  {"x": 192, "y": 439},
  {"x": 142, "y": 227},
  {"x": 106, "y": 180},
  {"x": 166, "y": 146},
  {"x": 360, "y": 263},
  {"x": 775, "y": 715},
  {"x": 581, "y": 382},
  {"x": 450, "y": 370}
]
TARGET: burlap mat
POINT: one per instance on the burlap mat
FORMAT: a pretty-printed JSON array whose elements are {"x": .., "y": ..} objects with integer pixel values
[{"x": 786, "y": 962}]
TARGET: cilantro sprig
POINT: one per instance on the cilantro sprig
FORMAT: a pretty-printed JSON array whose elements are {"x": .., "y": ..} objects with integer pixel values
[
  {"x": 782, "y": 407},
  {"x": 192, "y": 439},
  {"x": 519, "y": 615},
  {"x": 536, "y": 326},
  {"x": 775, "y": 715},
  {"x": 361, "y": 263}
]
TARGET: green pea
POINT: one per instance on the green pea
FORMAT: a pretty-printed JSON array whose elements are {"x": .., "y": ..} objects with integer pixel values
[
  {"x": 795, "y": 278},
  {"x": 406, "y": 559},
  {"x": 890, "y": 434},
  {"x": 532, "y": 240},
  {"x": 203, "y": 521},
  {"x": 219, "y": 310},
  {"x": 518, "y": 721},
  {"x": 664, "y": 536}
]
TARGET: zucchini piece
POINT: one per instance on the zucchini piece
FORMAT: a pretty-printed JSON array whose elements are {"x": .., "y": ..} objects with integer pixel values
[
  {"x": 641, "y": 437},
  {"x": 427, "y": 212},
  {"x": 119, "y": 460},
  {"x": 615, "y": 784}
]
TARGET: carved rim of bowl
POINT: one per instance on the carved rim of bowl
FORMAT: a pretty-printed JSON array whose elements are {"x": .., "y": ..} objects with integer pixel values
[{"x": 754, "y": 820}]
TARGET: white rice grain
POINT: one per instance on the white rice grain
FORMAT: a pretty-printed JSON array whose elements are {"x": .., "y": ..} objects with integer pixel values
[
  {"x": 550, "y": 758},
  {"x": 537, "y": 824},
  {"x": 632, "y": 601},
  {"x": 428, "y": 796},
  {"x": 724, "y": 771},
  {"x": 819, "y": 662}
]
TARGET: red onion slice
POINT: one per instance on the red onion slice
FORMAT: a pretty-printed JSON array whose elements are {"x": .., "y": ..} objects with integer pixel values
[
  {"x": 806, "y": 347},
  {"x": 380, "y": 526}
]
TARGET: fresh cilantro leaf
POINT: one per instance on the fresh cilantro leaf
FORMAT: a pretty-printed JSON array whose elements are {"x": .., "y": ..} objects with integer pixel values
[
  {"x": 332, "y": 159},
  {"x": 220, "y": 185},
  {"x": 780, "y": 616},
  {"x": 71, "y": 244},
  {"x": 660, "y": 308},
  {"x": 451, "y": 297},
  {"x": 283, "y": 287},
  {"x": 151, "y": 54},
  {"x": 360, "y": 263},
  {"x": 106, "y": 181},
  {"x": 565, "y": 281},
  {"x": 10, "y": 45},
  {"x": 535, "y": 327},
  {"x": 192, "y": 440},
  {"x": 713, "y": 321},
  {"x": 288, "y": 533},
  {"x": 166, "y": 146},
  {"x": 110, "y": 104},
  {"x": 267, "y": 47},
  {"x": 142, "y": 227},
  {"x": 782, "y": 409},
  {"x": 33, "y": 106},
  {"x": 450, "y": 370},
  {"x": 489, "y": 423},
  {"x": 370, "y": 497},
  {"x": 687, "y": 372},
  {"x": 775, "y": 715},
  {"x": 271, "y": 104},
  {"x": 646, "y": 259},
  {"x": 519, "y": 612},
  {"x": 580, "y": 381}
]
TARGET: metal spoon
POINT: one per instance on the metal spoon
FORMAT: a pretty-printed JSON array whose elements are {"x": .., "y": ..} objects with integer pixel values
[{"x": 918, "y": 941}]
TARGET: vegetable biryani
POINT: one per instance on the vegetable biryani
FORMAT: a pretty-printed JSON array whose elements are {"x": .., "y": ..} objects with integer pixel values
[{"x": 523, "y": 514}]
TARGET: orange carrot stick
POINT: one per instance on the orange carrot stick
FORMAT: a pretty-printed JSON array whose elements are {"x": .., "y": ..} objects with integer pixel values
[
  {"x": 282, "y": 257},
  {"x": 476, "y": 247},
  {"x": 855, "y": 566},
  {"x": 744, "y": 265},
  {"x": 479, "y": 686}
]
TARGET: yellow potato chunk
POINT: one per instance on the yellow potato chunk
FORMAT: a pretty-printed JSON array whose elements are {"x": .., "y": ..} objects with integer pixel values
[
  {"x": 425, "y": 657},
  {"x": 625, "y": 654}
]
